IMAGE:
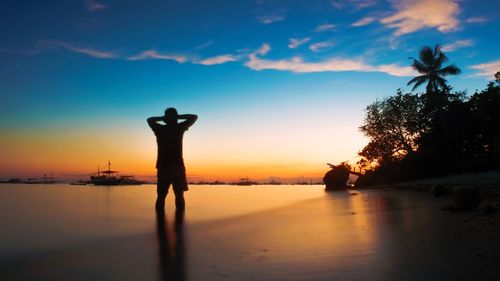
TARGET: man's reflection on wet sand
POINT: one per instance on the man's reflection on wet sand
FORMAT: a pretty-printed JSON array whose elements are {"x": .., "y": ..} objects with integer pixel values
[{"x": 171, "y": 247}]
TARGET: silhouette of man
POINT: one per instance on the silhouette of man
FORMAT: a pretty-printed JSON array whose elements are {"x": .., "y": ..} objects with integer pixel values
[{"x": 170, "y": 164}]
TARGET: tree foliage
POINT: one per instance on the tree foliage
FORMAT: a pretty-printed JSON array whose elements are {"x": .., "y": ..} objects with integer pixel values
[
  {"x": 485, "y": 118},
  {"x": 394, "y": 126},
  {"x": 424, "y": 135},
  {"x": 430, "y": 66}
]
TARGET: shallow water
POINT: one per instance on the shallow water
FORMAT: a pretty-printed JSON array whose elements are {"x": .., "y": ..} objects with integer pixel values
[
  {"x": 44, "y": 217},
  {"x": 283, "y": 232}
]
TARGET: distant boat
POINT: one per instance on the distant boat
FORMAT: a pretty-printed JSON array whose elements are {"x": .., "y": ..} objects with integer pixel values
[
  {"x": 304, "y": 183},
  {"x": 79, "y": 182},
  {"x": 48, "y": 179},
  {"x": 107, "y": 177},
  {"x": 44, "y": 180},
  {"x": 33, "y": 181},
  {"x": 15, "y": 180},
  {"x": 110, "y": 177},
  {"x": 129, "y": 180},
  {"x": 217, "y": 183},
  {"x": 274, "y": 182},
  {"x": 245, "y": 181}
]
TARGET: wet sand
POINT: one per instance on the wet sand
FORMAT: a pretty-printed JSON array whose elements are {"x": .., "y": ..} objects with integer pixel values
[{"x": 355, "y": 235}]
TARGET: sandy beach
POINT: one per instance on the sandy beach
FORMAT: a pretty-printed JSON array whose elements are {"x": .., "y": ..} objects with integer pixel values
[{"x": 311, "y": 235}]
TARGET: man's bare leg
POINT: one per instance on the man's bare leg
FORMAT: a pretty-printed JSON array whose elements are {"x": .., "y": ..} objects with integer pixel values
[
  {"x": 160, "y": 199},
  {"x": 179, "y": 200}
]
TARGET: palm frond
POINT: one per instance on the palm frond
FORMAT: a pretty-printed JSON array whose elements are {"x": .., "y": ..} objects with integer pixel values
[
  {"x": 439, "y": 56},
  {"x": 426, "y": 56},
  {"x": 441, "y": 82},
  {"x": 418, "y": 66},
  {"x": 449, "y": 70},
  {"x": 418, "y": 81}
]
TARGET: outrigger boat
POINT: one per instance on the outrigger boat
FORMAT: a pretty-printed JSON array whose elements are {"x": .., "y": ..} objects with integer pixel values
[
  {"x": 107, "y": 177},
  {"x": 48, "y": 179},
  {"x": 245, "y": 181},
  {"x": 80, "y": 182},
  {"x": 110, "y": 177},
  {"x": 44, "y": 180},
  {"x": 33, "y": 181}
]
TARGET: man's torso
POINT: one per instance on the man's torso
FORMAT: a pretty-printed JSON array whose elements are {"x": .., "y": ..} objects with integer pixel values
[{"x": 169, "y": 140}]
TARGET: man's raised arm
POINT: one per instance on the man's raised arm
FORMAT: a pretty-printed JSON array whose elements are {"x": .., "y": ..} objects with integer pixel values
[
  {"x": 153, "y": 121},
  {"x": 190, "y": 119}
]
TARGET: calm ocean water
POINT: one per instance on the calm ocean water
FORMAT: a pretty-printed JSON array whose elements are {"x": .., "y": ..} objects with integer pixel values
[
  {"x": 46, "y": 217},
  {"x": 285, "y": 233}
]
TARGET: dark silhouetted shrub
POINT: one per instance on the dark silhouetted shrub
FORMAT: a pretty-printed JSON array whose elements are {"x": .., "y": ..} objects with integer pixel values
[
  {"x": 465, "y": 198},
  {"x": 438, "y": 190}
]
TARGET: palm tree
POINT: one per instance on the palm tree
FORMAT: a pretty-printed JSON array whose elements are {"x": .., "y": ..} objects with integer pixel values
[{"x": 430, "y": 66}]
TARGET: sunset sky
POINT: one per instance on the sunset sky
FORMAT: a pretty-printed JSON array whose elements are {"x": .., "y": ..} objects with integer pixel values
[{"x": 279, "y": 86}]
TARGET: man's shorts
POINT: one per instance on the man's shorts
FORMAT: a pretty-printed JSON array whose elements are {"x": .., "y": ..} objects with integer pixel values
[{"x": 175, "y": 175}]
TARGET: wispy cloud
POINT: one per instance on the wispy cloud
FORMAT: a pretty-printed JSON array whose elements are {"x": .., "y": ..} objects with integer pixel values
[
  {"x": 363, "y": 3},
  {"x": 358, "y": 4},
  {"x": 79, "y": 49},
  {"x": 294, "y": 43},
  {"x": 395, "y": 70},
  {"x": 46, "y": 45},
  {"x": 204, "y": 45},
  {"x": 316, "y": 47},
  {"x": 337, "y": 4},
  {"x": 90, "y": 52},
  {"x": 93, "y": 6},
  {"x": 153, "y": 54},
  {"x": 413, "y": 15},
  {"x": 218, "y": 60},
  {"x": 298, "y": 65},
  {"x": 487, "y": 69},
  {"x": 263, "y": 50},
  {"x": 325, "y": 27},
  {"x": 476, "y": 20},
  {"x": 272, "y": 18},
  {"x": 393, "y": 42},
  {"x": 364, "y": 21},
  {"x": 457, "y": 45}
]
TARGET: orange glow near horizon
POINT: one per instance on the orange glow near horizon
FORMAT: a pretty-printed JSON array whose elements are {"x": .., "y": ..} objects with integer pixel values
[{"x": 225, "y": 153}]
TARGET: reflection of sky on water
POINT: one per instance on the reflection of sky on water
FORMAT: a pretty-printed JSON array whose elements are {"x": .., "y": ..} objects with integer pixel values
[
  {"x": 240, "y": 233},
  {"x": 39, "y": 217}
]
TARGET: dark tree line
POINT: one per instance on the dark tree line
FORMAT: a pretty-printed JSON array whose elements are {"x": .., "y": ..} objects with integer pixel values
[{"x": 435, "y": 133}]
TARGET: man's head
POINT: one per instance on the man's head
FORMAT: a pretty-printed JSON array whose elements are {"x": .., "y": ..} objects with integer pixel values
[{"x": 171, "y": 115}]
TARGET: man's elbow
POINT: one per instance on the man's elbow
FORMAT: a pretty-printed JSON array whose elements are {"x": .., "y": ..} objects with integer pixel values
[{"x": 151, "y": 121}]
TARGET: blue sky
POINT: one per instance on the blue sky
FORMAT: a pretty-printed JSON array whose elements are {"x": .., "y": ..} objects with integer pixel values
[{"x": 245, "y": 67}]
